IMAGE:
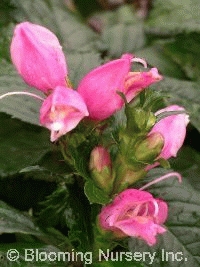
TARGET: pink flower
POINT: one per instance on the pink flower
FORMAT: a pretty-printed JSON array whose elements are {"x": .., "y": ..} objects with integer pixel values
[
  {"x": 135, "y": 213},
  {"x": 61, "y": 111},
  {"x": 38, "y": 56},
  {"x": 100, "y": 86},
  {"x": 173, "y": 130}
]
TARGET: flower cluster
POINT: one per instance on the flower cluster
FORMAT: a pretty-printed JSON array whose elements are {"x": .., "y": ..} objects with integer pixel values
[
  {"x": 39, "y": 59},
  {"x": 142, "y": 144}
]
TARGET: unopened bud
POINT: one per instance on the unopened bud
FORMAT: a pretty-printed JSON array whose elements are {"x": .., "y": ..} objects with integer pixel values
[
  {"x": 150, "y": 148},
  {"x": 100, "y": 166},
  {"x": 38, "y": 56},
  {"x": 99, "y": 159}
]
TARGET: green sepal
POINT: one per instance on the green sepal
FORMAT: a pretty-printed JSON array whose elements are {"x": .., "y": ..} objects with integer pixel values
[
  {"x": 164, "y": 163},
  {"x": 148, "y": 149},
  {"x": 103, "y": 179},
  {"x": 139, "y": 120}
]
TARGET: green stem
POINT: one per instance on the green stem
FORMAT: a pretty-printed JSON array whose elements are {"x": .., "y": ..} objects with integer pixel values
[{"x": 66, "y": 157}]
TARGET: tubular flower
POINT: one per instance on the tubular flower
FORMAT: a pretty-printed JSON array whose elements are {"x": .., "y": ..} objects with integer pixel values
[
  {"x": 100, "y": 87},
  {"x": 173, "y": 130},
  {"x": 38, "y": 56},
  {"x": 135, "y": 213},
  {"x": 61, "y": 111},
  {"x": 135, "y": 82}
]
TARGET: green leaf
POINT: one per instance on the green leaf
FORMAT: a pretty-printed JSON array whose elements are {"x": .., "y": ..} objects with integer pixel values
[
  {"x": 54, "y": 163},
  {"x": 5, "y": 33},
  {"x": 173, "y": 17},
  {"x": 21, "y": 145},
  {"x": 156, "y": 56},
  {"x": 95, "y": 194},
  {"x": 123, "y": 32},
  {"x": 5, "y": 12},
  {"x": 87, "y": 7},
  {"x": 183, "y": 93},
  {"x": 13, "y": 221},
  {"x": 25, "y": 108},
  {"x": 183, "y": 225},
  {"x": 54, "y": 207},
  {"x": 51, "y": 168},
  {"x": 80, "y": 63},
  {"x": 32, "y": 169},
  {"x": 72, "y": 33},
  {"x": 78, "y": 219},
  {"x": 184, "y": 51},
  {"x": 187, "y": 163}
]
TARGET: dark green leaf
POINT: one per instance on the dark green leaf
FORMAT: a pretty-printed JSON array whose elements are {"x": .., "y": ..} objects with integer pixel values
[
  {"x": 80, "y": 63},
  {"x": 54, "y": 163},
  {"x": 13, "y": 221},
  {"x": 25, "y": 108},
  {"x": 5, "y": 34},
  {"x": 184, "y": 51},
  {"x": 183, "y": 93},
  {"x": 32, "y": 169},
  {"x": 21, "y": 145},
  {"x": 95, "y": 194},
  {"x": 72, "y": 33},
  {"x": 51, "y": 167},
  {"x": 5, "y": 12},
  {"x": 87, "y": 7},
  {"x": 54, "y": 207},
  {"x": 123, "y": 32},
  {"x": 156, "y": 56},
  {"x": 78, "y": 219},
  {"x": 173, "y": 17},
  {"x": 187, "y": 163}
]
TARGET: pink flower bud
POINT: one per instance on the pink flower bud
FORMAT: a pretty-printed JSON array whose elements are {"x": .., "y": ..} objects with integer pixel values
[
  {"x": 99, "y": 159},
  {"x": 173, "y": 130},
  {"x": 38, "y": 56},
  {"x": 135, "y": 213},
  {"x": 61, "y": 111},
  {"x": 100, "y": 86},
  {"x": 100, "y": 168}
]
